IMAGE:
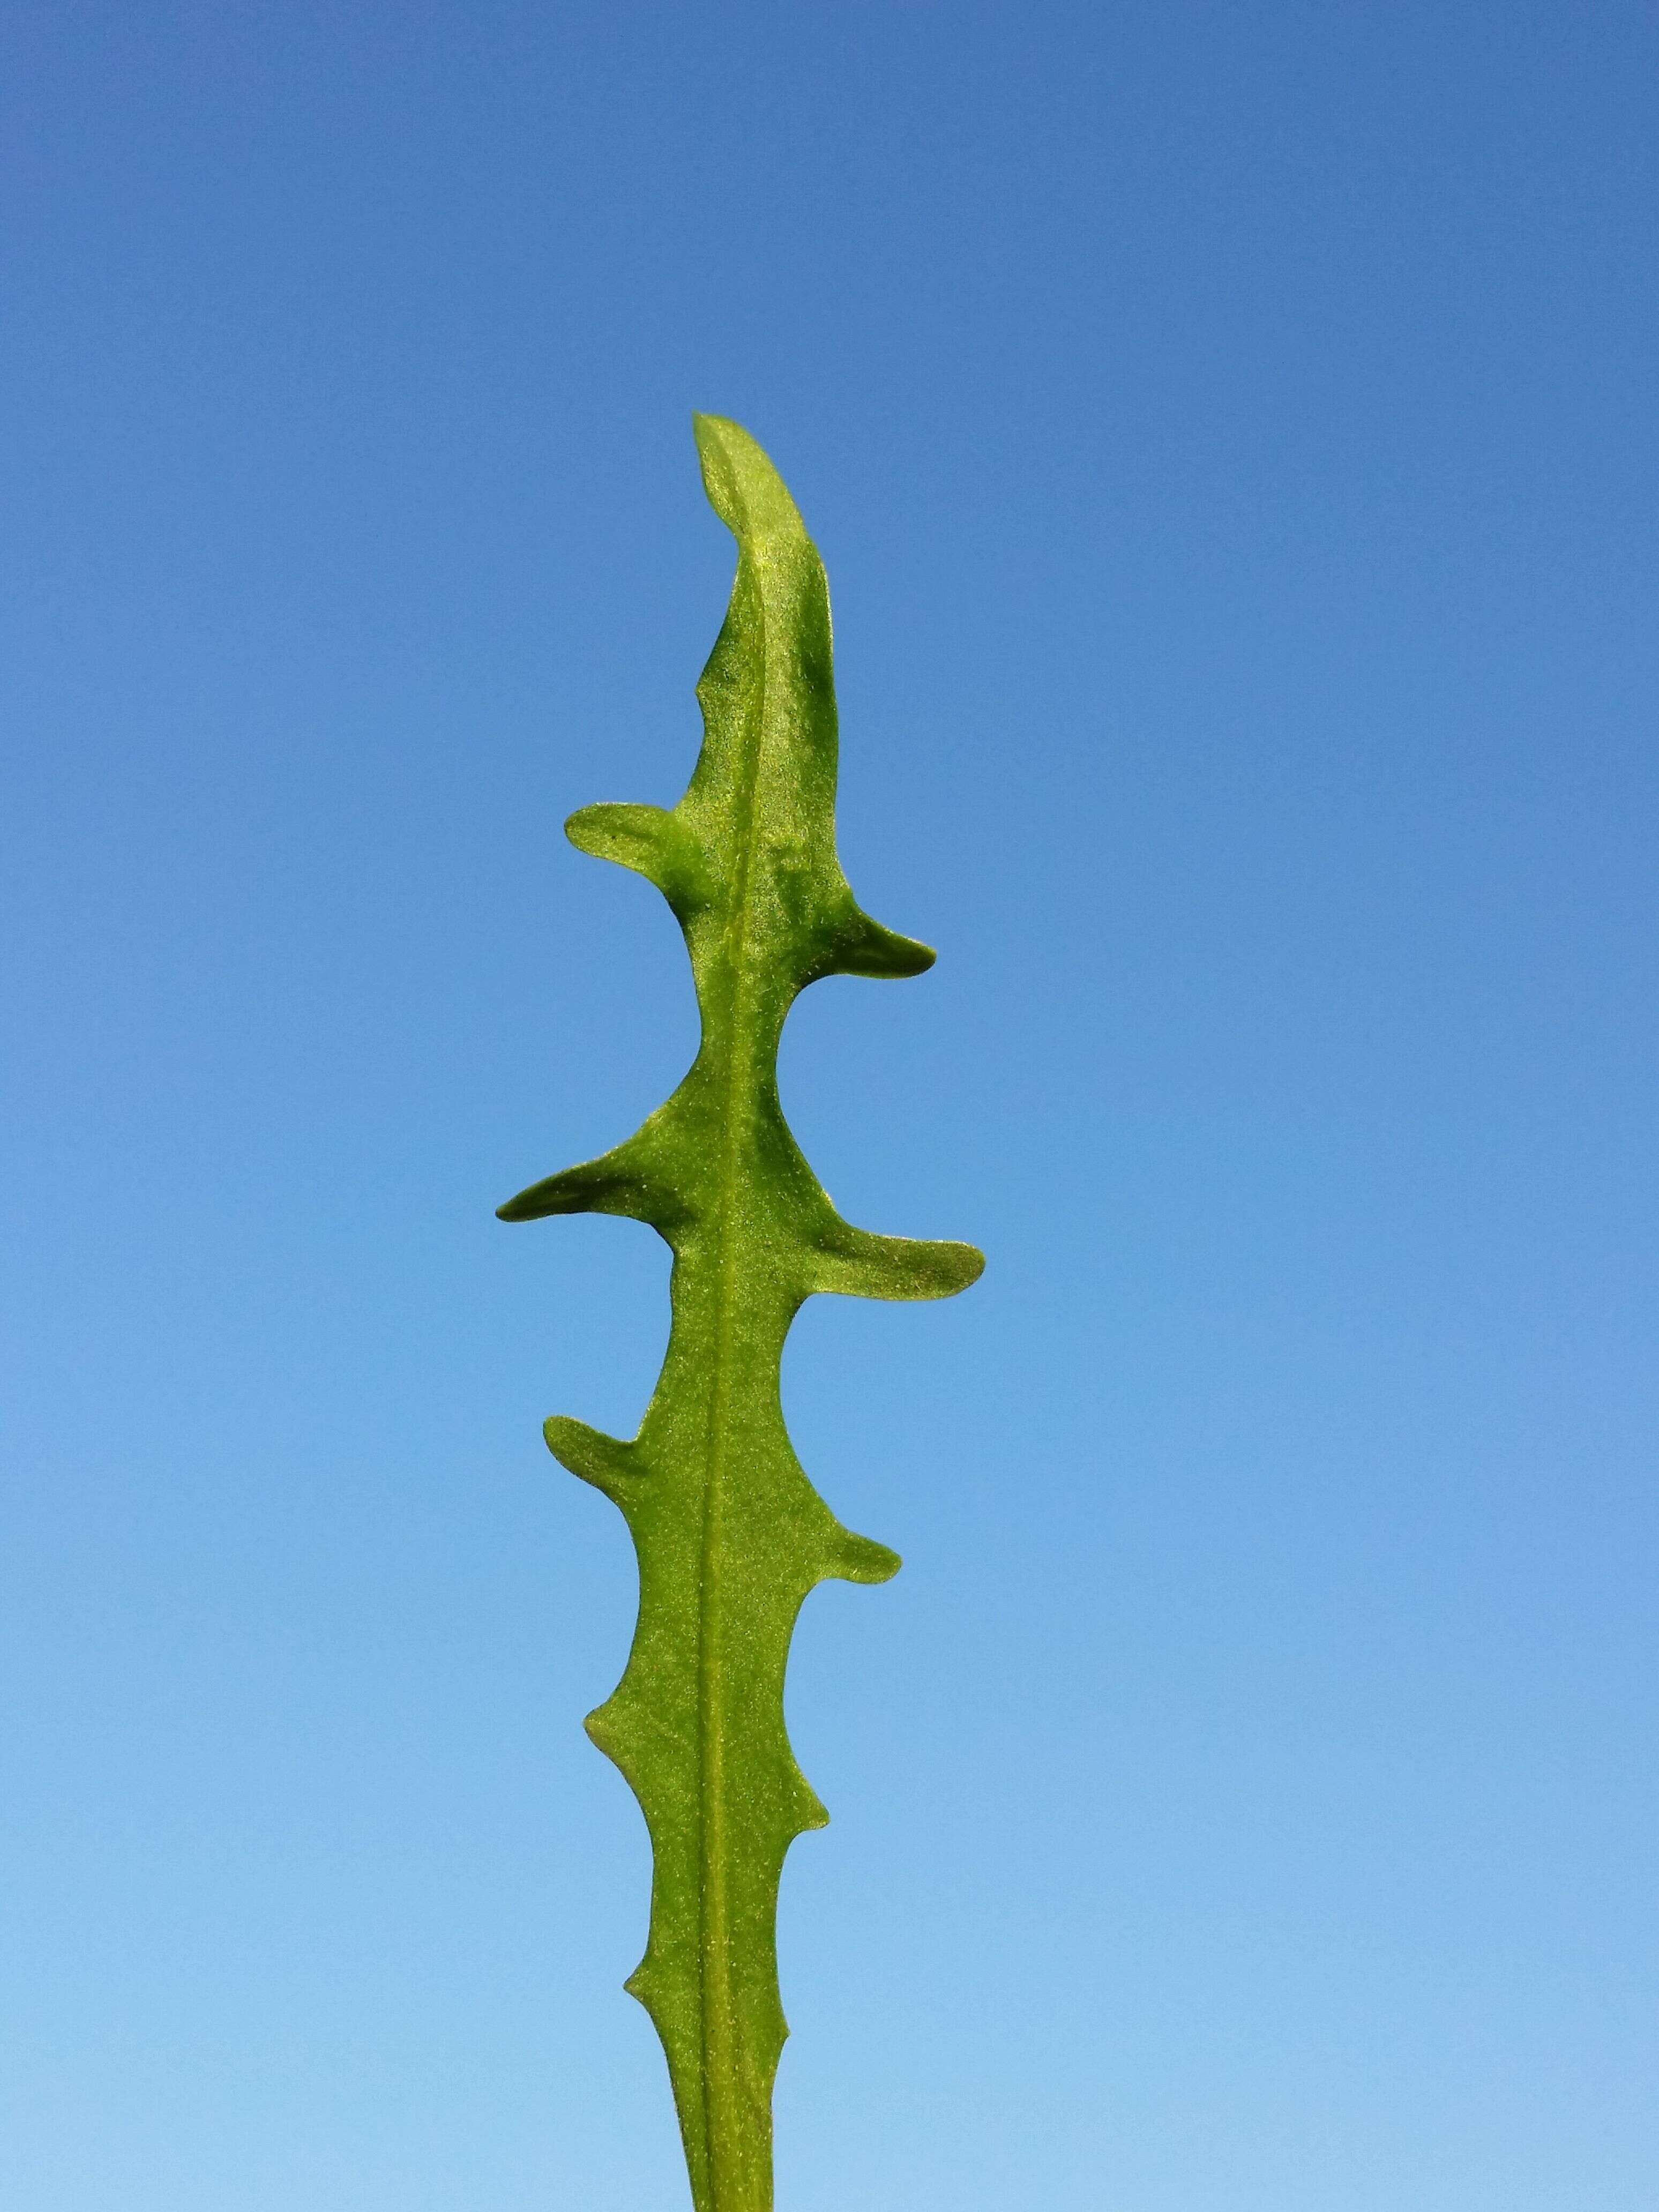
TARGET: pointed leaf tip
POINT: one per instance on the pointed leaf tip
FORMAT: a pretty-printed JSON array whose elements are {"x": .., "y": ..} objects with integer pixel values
[
  {"x": 864, "y": 947},
  {"x": 853, "y": 1559},
  {"x": 744, "y": 489}
]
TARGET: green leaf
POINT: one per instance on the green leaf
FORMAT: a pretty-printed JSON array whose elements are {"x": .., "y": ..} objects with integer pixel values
[{"x": 729, "y": 1533}]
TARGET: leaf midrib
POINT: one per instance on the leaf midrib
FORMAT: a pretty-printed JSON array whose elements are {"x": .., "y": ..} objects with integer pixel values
[{"x": 715, "y": 1959}]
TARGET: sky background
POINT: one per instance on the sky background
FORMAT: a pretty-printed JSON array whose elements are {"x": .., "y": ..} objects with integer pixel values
[{"x": 1231, "y": 433}]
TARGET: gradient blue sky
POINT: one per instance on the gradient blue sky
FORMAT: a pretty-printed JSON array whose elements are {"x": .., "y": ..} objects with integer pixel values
[{"x": 1231, "y": 432}]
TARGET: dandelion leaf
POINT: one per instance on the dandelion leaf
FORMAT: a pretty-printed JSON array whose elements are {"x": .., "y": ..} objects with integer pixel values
[{"x": 729, "y": 1534}]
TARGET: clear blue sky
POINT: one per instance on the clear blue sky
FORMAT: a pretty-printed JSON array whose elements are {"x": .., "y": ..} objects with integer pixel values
[{"x": 1231, "y": 432}]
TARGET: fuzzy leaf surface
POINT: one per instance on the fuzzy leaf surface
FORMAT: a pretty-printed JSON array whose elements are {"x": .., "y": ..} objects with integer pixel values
[{"x": 729, "y": 1533}]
